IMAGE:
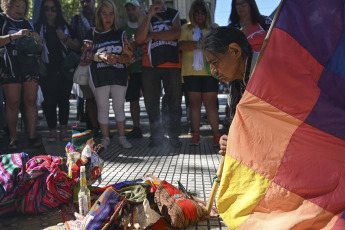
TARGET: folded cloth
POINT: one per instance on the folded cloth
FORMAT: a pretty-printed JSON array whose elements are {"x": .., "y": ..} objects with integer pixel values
[
  {"x": 180, "y": 211},
  {"x": 198, "y": 58}
]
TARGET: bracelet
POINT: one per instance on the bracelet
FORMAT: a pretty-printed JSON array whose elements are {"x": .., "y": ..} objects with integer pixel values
[
  {"x": 10, "y": 37},
  {"x": 96, "y": 57},
  {"x": 65, "y": 39}
]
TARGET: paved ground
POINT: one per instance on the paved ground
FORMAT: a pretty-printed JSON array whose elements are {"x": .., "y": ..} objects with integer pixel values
[{"x": 193, "y": 166}]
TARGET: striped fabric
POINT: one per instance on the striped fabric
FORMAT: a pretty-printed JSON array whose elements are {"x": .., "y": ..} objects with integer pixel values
[
  {"x": 12, "y": 167},
  {"x": 45, "y": 185},
  {"x": 108, "y": 207},
  {"x": 285, "y": 162},
  {"x": 179, "y": 210},
  {"x": 33, "y": 186}
]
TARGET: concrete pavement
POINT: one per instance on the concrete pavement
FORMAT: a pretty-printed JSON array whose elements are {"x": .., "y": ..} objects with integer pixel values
[{"x": 193, "y": 166}]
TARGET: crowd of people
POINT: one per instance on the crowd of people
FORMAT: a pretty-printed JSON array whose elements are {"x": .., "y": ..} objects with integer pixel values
[{"x": 149, "y": 51}]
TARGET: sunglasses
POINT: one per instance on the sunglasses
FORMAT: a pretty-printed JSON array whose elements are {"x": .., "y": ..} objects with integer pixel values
[
  {"x": 52, "y": 9},
  {"x": 241, "y": 5},
  {"x": 201, "y": 12}
]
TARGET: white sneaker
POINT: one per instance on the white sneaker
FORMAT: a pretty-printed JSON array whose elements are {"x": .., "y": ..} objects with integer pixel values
[
  {"x": 105, "y": 142},
  {"x": 124, "y": 143}
]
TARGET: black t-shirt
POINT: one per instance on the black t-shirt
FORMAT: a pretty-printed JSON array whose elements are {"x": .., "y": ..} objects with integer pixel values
[
  {"x": 54, "y": 44},
  {"x": 164, "y": 51},
  {"x": 10, "y": 64},
  {"x": 107, "y": 42}
]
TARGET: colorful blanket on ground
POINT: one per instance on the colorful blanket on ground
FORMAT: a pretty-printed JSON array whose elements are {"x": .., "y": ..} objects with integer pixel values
[
  {"x": 284, "y": 166},
  {"x": 12, "y": 168},
  {"x": 41, "y": 185}
]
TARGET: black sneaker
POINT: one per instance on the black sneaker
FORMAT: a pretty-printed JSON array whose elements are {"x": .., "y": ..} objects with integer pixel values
[
  {"x": 135, "y": 133},
  {"x": 175, "y": 142}
]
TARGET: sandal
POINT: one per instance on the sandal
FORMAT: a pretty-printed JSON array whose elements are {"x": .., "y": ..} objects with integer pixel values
[
  {"x": 14, "y": 145},
  {"x": 35, "y": 142}
]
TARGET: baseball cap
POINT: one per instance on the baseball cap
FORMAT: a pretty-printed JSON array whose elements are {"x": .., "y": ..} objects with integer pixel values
[{"x": 133, "y": 2}]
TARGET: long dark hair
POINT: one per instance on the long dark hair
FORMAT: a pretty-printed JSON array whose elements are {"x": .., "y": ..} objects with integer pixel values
[
  {"x": 254, "y": 13},
  {"x": 217, "y": 42},
  {"x": 59, "y": 21}
]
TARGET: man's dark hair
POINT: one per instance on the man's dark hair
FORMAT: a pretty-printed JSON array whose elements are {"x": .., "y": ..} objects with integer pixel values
[{"x": 218, "y": 40}]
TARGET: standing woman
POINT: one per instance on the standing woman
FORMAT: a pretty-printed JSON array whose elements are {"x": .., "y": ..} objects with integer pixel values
[
  {"x": 245, "y": 15},
  {"x": 58, "y": 40},
  {"x": 201, "y": 86},
  {"x": 15, "y": 76},
  {"x": 108, "y": 69}
]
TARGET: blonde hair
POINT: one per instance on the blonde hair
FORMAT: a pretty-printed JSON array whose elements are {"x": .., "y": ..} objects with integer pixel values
[
  {"x": 200, "y": 4},
  {"x": 99, "y": 24}
]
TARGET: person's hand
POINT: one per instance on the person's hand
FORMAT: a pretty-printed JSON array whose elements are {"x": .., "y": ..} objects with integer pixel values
[
  {"x": 222, "y": 144},
  {"x": 153, "y": 10},
  {"x": 37, "y": 37},
  {"x": 133, "y": 45},
  {"x": 20, "y": 33},
  {"x": 110, "y": 59},
  {"x": 60, "y": 35}
]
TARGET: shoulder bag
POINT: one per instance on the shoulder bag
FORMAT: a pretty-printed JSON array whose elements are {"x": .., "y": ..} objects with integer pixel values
[{"x": 82, "y": 72}]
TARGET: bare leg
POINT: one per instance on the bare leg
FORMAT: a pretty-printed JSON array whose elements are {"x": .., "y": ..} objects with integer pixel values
[
  {"x": 104, "y": 130},
  {"x": 121, "y": 128},
  {"x": 12, "y": 94},
  {"x": 195, "y": 110},
  {"x": 210, "y": 102},
  {"x": 30, "y": 97}
]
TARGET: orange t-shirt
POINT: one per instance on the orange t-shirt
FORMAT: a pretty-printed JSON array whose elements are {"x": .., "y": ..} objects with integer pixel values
[
  {"x": 146, "y": 60},
  {"x": 256, "y": 36}
]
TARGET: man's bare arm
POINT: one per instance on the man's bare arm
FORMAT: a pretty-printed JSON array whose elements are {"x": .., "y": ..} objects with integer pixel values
[
  {"x": 144, "y": 25},
  {"x": 167, "y": 35}
]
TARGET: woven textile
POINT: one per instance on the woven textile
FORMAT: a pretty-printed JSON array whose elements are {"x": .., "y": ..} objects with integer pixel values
[
  {"x": 179, "y": 210},
  {"x": 12, "y": 167}
]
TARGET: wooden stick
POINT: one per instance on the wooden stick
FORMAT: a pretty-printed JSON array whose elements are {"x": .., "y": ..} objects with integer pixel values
[{"x": 215, "y": 186}]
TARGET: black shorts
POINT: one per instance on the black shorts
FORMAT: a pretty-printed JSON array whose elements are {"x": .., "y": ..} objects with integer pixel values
[
  {"x": 134, "y": 86},
  {"x": 26, "y": 73},
  {"x": 202, "y": 84}
]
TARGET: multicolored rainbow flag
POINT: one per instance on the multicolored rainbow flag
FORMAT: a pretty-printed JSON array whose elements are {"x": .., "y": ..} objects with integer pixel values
[{"x": 285, "y": 162}]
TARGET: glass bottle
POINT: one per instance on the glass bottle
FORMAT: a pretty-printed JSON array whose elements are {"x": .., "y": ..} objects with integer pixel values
[{"x": 84, "y": 198}]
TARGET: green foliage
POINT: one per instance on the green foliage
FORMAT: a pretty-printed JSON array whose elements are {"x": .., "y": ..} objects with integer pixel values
[{"x": 70, "y": 8}]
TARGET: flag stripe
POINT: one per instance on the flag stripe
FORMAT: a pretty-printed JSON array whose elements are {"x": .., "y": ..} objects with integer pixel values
[
  {"x": 303, "y": 172},
  {"x": 280, "y": 207},
  {"x": 318, "y": 25},
  {"x": 235, "y": 205},
  {"x": 298, "y": 75},
  {"x": 260, "y": 150}
]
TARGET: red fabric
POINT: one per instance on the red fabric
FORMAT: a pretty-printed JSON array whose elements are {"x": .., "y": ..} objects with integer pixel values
[
  {"x": 320, "y": 177},
  {"x": 161, "y": 224},
  {"x": 289, "y": 71},
  {"x": 256, "y": 36},
  {"x": 186, "y": 205}
]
